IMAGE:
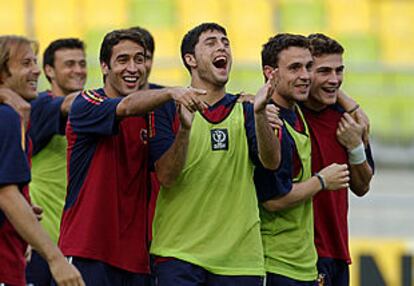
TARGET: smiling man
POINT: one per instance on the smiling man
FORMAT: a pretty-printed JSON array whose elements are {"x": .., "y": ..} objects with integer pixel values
[
  {"x": 104, "y": 224},
  {"x": 336, "y": 138},
  {"x": 206, "y": 228},
  {"x": 64, "y": 65},
  {"x": 286, "y": 195},
  {"x": 19, "y": 73}
]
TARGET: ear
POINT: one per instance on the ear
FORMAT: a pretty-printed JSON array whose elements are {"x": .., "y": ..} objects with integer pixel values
[
  {"x": 190, "y": 60},
  {"x": 267, "y": 71},
  {"x": 50, "y": 72},
  {"x": 104, "y": 68}
]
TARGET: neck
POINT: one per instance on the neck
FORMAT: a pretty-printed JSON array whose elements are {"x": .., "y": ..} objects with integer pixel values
[
  {"x": 58, "y": 91},
  {"x": 110, "y": 92},
  {"x": 214, "y": 92},
  {"x": 282, "y": 101},
  {"x": 314, "y": 104}
]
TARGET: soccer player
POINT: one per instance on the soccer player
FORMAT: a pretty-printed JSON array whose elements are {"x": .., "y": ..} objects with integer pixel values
[
  {"x": 206, "y": 226},
  {"x": 104, "y": 224},
  {"x": 64, "y": 65},
  {"x": 336, "y": 138},
  {"x": 286, "y": 195},
  {"x": 19, "y": 73}
]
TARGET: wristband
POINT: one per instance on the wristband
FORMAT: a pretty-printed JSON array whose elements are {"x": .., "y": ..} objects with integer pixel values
[
  {"x": 321, "y": 180},
  {"x": 357, "y": 155},
  {"x": 353, "y": 108}
]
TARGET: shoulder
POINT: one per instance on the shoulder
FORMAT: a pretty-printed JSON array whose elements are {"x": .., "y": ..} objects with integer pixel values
[{"x": 10, "y": 121}]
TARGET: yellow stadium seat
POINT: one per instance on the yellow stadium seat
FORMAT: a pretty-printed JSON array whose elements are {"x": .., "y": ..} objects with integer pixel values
[
  {"x": 396, "y": 31},
  {"x": 13, "y": 18},
  {"x": 338, "y": 16}
]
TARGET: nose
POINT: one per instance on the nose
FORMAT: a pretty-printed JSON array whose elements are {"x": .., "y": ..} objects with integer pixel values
[
  {"x": 79, "y": 69},
  {"x": 334, "y": 78},
  {"x": 305, "y": 74},
  {"x": 36, "y": 70},
  {"x": 132, "y": 66}
]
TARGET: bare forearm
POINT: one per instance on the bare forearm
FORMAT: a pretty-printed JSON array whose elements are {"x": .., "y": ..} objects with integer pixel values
[
  {"x": 21, "y": 216},
  {"x": 170, "y": 165},
  {"x": 361, "y": 176},
  {"x": 346, "y": 101},
  {"x": 142, "y": 101},
  {"x": 267, "y": 142},
  {"x": 300, "y": 192}
]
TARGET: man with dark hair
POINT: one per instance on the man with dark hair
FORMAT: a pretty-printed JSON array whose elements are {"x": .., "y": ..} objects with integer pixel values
[
  {"x": 336, "y": 138},
  {"x": 19, "y": 74},
  {"x": 206, "y": 225},
  {"x": 286, "y": 195},
  {"x": 104, "y": 224},
  {"x": 64, "y": 65}
]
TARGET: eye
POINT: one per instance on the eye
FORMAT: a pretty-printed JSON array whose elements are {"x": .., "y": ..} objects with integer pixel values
[
  {"x": 82, "y": 64},
  {"x": 139, "y": 59}
]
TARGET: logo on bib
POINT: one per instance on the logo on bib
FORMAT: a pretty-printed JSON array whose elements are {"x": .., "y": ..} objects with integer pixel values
[{"x": 219, "y": 139}]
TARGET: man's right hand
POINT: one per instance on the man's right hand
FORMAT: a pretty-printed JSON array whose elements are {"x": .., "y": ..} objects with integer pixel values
[
  {"x": 64, "y": 273},
  {"x": 189, "y": 97},
  {"x": 336, "y": 176}
]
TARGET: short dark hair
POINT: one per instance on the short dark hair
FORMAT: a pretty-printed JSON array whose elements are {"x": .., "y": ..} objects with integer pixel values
[
  {"x": 275, "y": 45},
  {"x": 114, "y": 38},
  {"x": 147, "y": 37},
  {"x": 190, "y": 39},
  {"x": 67, "y": 43},
  {"x": 321, "y": 44}
]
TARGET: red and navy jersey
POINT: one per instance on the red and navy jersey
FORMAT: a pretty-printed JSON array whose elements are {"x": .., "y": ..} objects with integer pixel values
[
  {"x": 15, "y": 151},
  {"x": 270, "y": 184},
  {"x": 45, "y": 119},
  {"x": 105, "y": 213},
  {"x": 165, "y": 124},
  {"x": 330, "y": 207},
  {"x": 155, "y": 183}
]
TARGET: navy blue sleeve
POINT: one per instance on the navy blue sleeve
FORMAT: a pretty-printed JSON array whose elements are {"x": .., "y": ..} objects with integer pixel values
[
  {"x": 14, "y": 166},
  {"x": 92, "y": 115},
  {"x": 46, "y": 120},
  {"x": 370, "y": 158},
  {"x": 165, "y": 117},
  {"x": 251, "y": 133},
  {"x": 270, "y": 184}
]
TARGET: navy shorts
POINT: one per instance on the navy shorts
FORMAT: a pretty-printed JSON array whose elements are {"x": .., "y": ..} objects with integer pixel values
[
  {"x": 334, "y": 272},
  {"x": 179, "y": 273},
  {"x": 97, "y": 273},
  {"x": 37, "y": 271},
  {"x": 279, "y": 280}
]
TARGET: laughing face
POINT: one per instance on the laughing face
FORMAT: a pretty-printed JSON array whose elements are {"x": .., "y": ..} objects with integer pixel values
[
  {"x": 69, "y": 71},
  {"x": 24, "y": 72},
  {"x": 211, "y": 62},
  {"x": 294, "y": 74},
  {"x": 126, "y": 72},
  {"x": 327, "y": 78}
]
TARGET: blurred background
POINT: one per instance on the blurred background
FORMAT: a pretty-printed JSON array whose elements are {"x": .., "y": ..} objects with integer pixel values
[{"x": 378, "y": 36}]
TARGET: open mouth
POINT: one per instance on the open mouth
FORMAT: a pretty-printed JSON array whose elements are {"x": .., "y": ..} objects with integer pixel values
[
  {"x": 330, "y": 90},
  {"x": 131, "y": 81},
  {"x": 220, "y": 62},
  {"x": 33, "y": 83}
]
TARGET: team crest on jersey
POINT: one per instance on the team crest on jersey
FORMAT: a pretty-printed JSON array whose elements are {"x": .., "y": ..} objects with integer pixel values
[{"x": 219, "y": 139}]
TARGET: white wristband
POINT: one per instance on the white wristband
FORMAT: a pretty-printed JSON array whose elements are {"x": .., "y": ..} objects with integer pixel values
[{"x": 357, "y": 155}]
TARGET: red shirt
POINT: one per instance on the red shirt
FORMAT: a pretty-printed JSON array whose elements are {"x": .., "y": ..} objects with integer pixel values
[
  {"x": 105, "y": 215},
  {"x": 330, "y": 207}
]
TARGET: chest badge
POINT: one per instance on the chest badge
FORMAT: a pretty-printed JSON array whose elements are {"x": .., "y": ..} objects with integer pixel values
[{"x": 219, "y": 139}]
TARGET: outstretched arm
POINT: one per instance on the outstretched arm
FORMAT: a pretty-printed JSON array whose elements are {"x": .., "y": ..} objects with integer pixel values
[{"x": 143, "y": 101}]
